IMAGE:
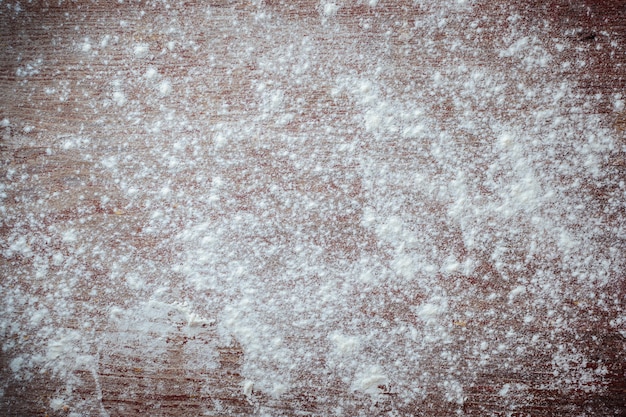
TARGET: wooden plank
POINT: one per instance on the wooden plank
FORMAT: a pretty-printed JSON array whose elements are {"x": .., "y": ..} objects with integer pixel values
[{"x": 154, "y": 154}]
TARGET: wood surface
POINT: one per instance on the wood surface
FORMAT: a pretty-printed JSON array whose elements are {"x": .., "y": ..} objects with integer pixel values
[{"x": 62, "y": 64}]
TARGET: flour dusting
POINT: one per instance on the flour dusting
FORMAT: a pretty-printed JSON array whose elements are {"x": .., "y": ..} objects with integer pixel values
[{"x": 389, "y": 207}]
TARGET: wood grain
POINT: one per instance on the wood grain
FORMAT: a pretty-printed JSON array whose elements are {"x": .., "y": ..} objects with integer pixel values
[{"x": 56, "y": 92}]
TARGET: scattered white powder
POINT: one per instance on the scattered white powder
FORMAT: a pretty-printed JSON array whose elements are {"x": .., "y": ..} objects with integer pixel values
[
  {"x": 371, "y": 381},
  {"x": 119, "y": 98},
  {"x": 104, "y": 41},
  {"x": 618, "y": 105},
  {"x": 151, "y": 73},
  {"x": 430, "y": 312},
  {"x": 16, "y": 364},
  {"x": 516, "y": 292},
  {"x": 56, "y": 404},
  {"x": 345, "y": 344},
  {"x": 330, "y": 9},
  {"x": 247, "y": 388},
  {"x": 165, "y": 87},
  {"x": 454, "y": 391},
  {"x": 141, "y": 50},
  {"x": 347, "y": 216},
  {"x": 69, "y": 236},
  {"x": 86, "y": 46}
]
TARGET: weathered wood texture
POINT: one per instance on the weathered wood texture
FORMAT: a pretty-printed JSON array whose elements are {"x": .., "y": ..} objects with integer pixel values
[{"x": 74, "y": 90}]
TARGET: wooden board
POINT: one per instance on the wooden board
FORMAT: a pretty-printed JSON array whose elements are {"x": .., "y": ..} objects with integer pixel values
[{"x": 129, "y": 129}]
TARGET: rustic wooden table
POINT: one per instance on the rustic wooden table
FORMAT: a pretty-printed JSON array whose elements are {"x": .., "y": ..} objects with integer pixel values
[{"x": 313, "y": 208}]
